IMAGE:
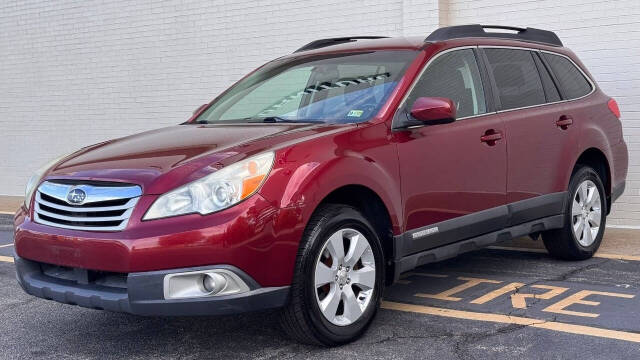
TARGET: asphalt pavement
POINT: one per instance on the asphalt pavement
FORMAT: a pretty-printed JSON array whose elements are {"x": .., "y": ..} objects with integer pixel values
[{"x": 489, "y": 304}]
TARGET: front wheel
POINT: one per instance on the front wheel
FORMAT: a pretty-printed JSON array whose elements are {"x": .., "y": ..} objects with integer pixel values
[
  {"x": 338, "y": 280},
  {"x": 585, "y": 219}
]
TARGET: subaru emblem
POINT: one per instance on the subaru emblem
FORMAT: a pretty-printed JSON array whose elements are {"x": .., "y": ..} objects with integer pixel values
[{"x": 76, "y": 196}]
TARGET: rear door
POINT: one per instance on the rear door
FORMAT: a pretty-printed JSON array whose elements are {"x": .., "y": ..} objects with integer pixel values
[
  {"x": 453, "y": 182},
  {"x": 541, "y": 140}
]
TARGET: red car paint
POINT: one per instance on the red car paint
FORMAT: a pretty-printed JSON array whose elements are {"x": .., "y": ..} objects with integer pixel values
[{"x": 423, "y": 176}]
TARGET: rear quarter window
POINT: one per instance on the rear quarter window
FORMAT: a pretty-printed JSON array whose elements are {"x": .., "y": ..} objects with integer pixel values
[{"x": 572, "y": 82}]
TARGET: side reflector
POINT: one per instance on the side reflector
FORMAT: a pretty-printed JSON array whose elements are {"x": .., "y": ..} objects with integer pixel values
[{"x": 613, "y": 106}]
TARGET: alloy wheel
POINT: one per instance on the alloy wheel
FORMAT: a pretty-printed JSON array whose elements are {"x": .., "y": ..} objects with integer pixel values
[
  {"x": 345, "y": 276},
  {"x": 586, "y": 213}
]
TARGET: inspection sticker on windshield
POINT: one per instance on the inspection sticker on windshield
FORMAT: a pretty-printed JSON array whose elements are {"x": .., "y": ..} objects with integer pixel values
[{"x": 355, "y": 113}]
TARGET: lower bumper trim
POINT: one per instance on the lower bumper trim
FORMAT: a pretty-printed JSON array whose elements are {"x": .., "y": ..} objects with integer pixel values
[{"x": 144, "y": 294}]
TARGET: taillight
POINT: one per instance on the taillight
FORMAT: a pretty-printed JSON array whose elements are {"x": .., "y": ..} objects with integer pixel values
[{"x": 613, "y": 106}]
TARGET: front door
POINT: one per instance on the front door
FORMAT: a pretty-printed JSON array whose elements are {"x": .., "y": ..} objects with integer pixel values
[{"x": 453, "y": 175}]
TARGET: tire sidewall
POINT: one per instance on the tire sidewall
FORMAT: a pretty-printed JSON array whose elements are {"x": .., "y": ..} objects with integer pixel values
[
  {"x": 342, "y": 217},
  {"x": 583, "y": 174}
]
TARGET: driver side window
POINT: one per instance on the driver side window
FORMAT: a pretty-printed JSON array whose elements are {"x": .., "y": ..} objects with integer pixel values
[{"x": 454, "y": 75}]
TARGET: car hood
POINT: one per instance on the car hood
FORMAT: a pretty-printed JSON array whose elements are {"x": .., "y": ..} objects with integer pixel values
[{"x": 162, "y": 159}]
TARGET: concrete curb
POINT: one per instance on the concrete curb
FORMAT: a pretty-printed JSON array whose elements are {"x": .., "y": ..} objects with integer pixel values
[{"x": 6, "y": 222}]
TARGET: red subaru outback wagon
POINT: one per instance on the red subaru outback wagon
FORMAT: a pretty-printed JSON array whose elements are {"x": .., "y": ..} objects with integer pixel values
[{"x": 320, "y": 177}]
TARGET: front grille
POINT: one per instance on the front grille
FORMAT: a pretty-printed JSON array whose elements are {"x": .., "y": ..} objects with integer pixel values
[
  {"x": 53, "y": 200},
  {"x": 105, "y": 208}
]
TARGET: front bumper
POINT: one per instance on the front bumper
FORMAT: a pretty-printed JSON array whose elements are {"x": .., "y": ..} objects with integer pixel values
[
  {"x": 254, "y": 236},
  {"x": 140, "y": 293}
]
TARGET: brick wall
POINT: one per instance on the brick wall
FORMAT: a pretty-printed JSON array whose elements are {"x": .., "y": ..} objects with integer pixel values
[
  {"x": 73, "y": 73},
  {"x": 606, "y": 37}
]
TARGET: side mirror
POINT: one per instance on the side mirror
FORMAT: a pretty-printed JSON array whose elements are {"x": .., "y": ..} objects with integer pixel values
[
  {"x": 434, "y": 110},
  {"x": 199, "y": 108}
]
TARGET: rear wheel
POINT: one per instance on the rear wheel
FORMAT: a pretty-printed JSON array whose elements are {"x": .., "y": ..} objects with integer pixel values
[
  {"x": 338, "y": 280},
  {"x": 585, "y": 218}
]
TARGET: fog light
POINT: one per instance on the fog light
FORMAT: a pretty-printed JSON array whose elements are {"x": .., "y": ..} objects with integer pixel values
[
  {"x": 202, "y": 283},
  {"x": 213, "y": 283}
]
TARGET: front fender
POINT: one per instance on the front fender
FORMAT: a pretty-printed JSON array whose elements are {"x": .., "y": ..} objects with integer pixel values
[{"x": 306, "y": 173}]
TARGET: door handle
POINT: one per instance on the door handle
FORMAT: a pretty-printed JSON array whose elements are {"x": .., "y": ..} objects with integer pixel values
[
  {"x": 564, "y": 122},
  {"x": 491, "y": 137}
]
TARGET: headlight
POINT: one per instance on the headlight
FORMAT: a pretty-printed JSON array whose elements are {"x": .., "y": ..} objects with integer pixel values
[
  {"x": 34, "y": 180},
  {"x": 220, "y": 190}
]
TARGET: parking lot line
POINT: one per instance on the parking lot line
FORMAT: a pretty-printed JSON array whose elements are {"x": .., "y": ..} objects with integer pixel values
[
  {"x": 542, "y": 251},
  {"x": 423, "y": 274},
  {"x": 6, "y": 245},
  {"x": 6, "y": 259},
  {"x": 617, "y": 257},
  {"x": 512, "y": 248},
  {"x": 515, "y": 320}
]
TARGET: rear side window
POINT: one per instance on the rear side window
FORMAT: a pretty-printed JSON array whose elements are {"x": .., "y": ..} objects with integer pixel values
[
  {"x": 571, "y": 81},
  {"x": 516, "y": 77},
  {"x": 453, "y": 75}
]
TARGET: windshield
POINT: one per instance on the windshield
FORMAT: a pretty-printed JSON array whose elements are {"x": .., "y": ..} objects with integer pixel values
[{"x": 335, "y": 88}]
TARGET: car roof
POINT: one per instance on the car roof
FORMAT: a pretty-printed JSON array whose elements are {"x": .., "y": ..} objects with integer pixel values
[
  {"x": 461, "y": 35},
  {"x": 417, "y": 43},
  {"x": 362, "y": 43}
]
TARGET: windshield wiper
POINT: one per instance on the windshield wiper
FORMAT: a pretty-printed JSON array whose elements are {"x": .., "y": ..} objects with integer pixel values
[
  {"x": 268, "y": 119},
  {"x": 277, "y": 119}
]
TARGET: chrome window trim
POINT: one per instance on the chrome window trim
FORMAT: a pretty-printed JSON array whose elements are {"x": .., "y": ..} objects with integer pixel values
[{"x": 424, "y": 68}]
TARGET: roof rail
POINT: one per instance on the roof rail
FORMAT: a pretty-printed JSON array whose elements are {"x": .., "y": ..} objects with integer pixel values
[
  {"x": 476, "y": 30},
  {"x": 335, "y": 41}
]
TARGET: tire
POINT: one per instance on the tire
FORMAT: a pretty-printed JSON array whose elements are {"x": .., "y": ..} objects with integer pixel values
[
  {"x": 302, "y": 318},
  {"x": 567, "y": 244}
]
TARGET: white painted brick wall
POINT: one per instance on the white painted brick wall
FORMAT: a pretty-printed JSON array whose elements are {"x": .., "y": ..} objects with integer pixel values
[
  {"x": 73, "y": 73},
  {"x": 606, "y": 37}
]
